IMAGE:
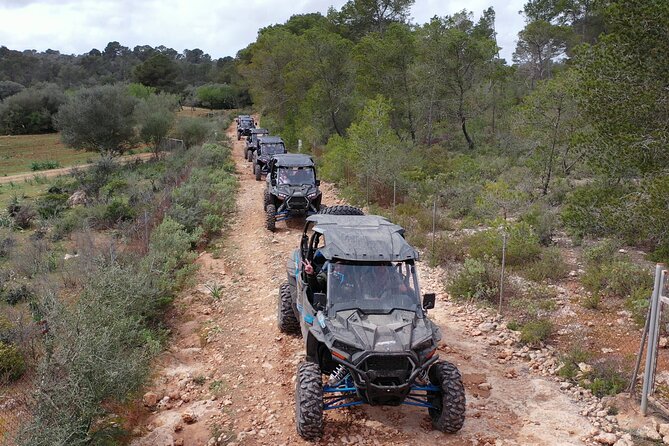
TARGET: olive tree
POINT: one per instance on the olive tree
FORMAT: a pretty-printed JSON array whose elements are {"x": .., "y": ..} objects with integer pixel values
[{"x": 99, "y": 119}]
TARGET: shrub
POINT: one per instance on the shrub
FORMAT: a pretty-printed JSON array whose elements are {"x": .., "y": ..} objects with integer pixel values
[
  {"x": 535, "y": 332},
  {"x": 118, "y": 211},
  {"x": 591, "y": 302},
  {"x": 607, "y": 378},
  {"x": 522, "y": 244},
  {"x": 51, "y": 204},
  {"x": 18, "y": 293},
  {"x": 593, "y": 209},
  {"x": 637, "y": 303},
  {"x": 24, "y": 216},
  {"x": 12, "y": 362},
  {"x": 7, "y": 243},
  {"x": 478, "y": 280},
  {"x": 44, "y": 165},
  {"x": 170, "y": 254},
  {"x": 31, "y": 110},
  {"x": 192, "y": 131},
  {"x": 570, "y": 361},
  {"x": 617, "y": 278},
  {"x": 549, "y": 265},
  {"x": 543, "y": 221}
]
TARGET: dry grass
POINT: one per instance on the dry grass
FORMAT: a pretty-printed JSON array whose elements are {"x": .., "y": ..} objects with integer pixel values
[{"x": 17, "y": 153}]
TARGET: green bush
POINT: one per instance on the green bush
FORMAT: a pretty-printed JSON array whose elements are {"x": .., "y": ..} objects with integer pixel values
[
  {"x": 51, "y": 205},
  {"x": 637, "y": 303},
  {"x": 12, "y": 362},
  {"x": 535, "y": 332},
  {"x": 118, "y": 211},
  {"x": 543, "y": 221},
  {"x": 607, "y": 378},
  {"x": 594, "y": 209},
  {"x": 522, "y": 244},
  {"x": 478, "y": 280},
  {"x": 550, "y": 265},
  {"x": 193, "y": 131},
  {"x": 170, "y": 254},
  {"x": 570, "y": 361},
  {"x": 617, "y": 278},
  {"x": 44, "y": 165}
]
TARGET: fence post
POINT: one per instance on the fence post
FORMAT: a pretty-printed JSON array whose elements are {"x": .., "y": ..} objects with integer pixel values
[
  {"x": 501, "y": 280},
  {"x": 652, "y": 342},
  {"x": 394, "y": 197}
]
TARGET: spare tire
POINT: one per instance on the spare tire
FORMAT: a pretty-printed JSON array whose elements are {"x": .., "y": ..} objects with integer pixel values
[{"x": 340, "y": 210}]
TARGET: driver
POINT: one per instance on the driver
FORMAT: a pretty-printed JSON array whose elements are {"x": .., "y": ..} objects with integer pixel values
[{"x": 384, "y": 280}]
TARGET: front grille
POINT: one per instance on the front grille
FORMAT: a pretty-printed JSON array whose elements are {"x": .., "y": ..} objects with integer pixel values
[
  {"x": 297, "y": 203},
  {"x": 387, "y": 370}
]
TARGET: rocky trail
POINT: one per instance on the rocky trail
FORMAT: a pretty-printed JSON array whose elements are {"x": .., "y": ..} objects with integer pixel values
[{"x": 228, "y": 376}]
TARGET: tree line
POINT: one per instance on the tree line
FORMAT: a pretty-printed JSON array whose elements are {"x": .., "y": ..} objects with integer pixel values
[
  {"x": 575, "y": 125},
  {"x": 34, "y": 84}
]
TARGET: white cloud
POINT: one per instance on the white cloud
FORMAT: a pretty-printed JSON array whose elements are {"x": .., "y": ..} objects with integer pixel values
[{"x": 218, "y": 28}]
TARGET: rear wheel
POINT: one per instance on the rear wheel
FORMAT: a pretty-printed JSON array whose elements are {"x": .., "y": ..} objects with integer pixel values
[
  {"x": 270, "y": 217},
  {"x": 448, "y": 414},
  {"x": 266, "y": 199},
  {"x": 286, "y": 318},
  {"x": 340, "y": 210},
  {"x": 249, "y": 155},
  {"x": 256, "y": 170},
  {"x": 309, "y": 401},
  {"x": 239, "y": 136}
]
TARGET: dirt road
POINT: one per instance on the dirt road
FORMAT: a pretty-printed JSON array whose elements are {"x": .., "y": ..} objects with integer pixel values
[
  {"x": 228, "y": 377},
  {"x": 19, "y": 177}
]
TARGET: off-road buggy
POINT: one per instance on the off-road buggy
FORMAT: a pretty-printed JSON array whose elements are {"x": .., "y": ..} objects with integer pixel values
[
  {"x": 367, "y": 336},
  {"x": 244, "y": 125},
  {"x": 252, "y": 142},
  {"x": 267, "y": 147},
  {"x": 292, "y": 188}
]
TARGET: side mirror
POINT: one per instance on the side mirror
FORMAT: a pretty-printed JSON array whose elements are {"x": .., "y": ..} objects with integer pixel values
[
  {"x": 318, "y": 182},
  {"x": 428, "y": 301},
  {"x": 320, "y": 300}
]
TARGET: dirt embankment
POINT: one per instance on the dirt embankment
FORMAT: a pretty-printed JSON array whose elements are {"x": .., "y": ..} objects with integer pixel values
[{"x": 228, "y": 376}]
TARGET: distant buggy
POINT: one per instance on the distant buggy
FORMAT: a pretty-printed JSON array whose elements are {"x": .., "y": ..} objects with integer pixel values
[
  {"x": 267, "y": 147},
  {"x": 252, "y": 142},
  {"x": 292, "y": 188},
  {"x": 353, "y": 295},
  {"x": 244, "y": 125}
]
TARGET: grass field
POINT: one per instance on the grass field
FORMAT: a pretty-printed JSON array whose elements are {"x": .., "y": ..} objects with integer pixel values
[{"x": 17, "y": 153}]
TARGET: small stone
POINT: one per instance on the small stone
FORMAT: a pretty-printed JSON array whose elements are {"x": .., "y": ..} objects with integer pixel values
[
  {"x": 649, "y": 432},
  {"x": 477, "y": 333},
  {"x": 150, "y": 399},
  {"x": 179, "y": 442},
  {"x": 663, "y": 342},
  {"x": 485, "y": 386},
  {"x": 585, "y": 368},
  {"x": 606, "y": 438},
  {"x": 663, "y": 429},
  {"x": 188, "y": 418},
  {"x": 178, "y": 427}
]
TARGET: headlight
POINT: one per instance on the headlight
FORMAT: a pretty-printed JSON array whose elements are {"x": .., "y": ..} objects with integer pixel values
[
  {"x": 313, "y": 195},
  {"x": 425, "y": 349},
  {"x": 283, "y": 196},
  {"x": 344, "y": 347}
]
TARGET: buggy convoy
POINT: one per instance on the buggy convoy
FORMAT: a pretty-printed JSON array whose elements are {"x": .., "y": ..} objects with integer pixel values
[
  {"x": 244, "y": 125},
  {"x": 267, "y": 146},
  {"x": 252, "y": 142},
  {"x": 353, "y": 294},
  {"x": 292, "y": 188}
]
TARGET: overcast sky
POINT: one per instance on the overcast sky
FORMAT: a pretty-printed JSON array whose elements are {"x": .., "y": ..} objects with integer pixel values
[{"x": 219, "y": 28}]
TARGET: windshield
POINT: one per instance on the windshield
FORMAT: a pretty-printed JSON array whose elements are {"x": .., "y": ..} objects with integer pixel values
[
  {"x": 246, "y": 123},
  {"x": 272, "y": 149},
  {"x": 296, "y": 175},
  {"x": 373, "y": 288}
]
